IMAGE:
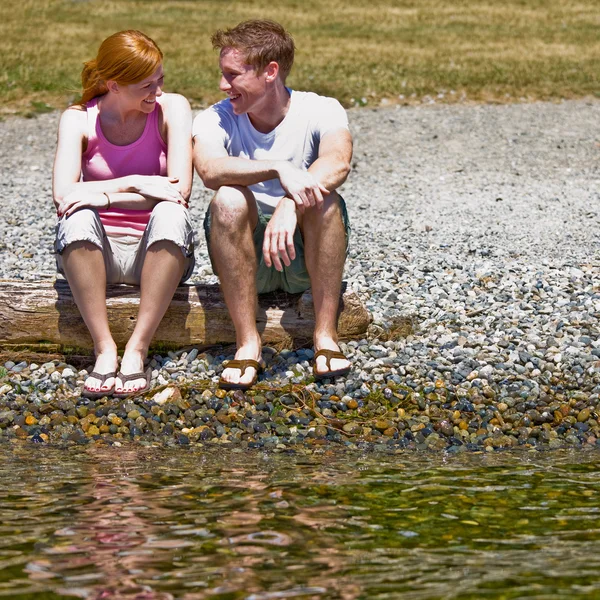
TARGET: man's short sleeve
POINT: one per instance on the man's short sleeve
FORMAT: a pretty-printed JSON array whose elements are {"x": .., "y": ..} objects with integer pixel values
[
  {"x": 212, "y": 126},
  {"x": 330, "y": 115}
]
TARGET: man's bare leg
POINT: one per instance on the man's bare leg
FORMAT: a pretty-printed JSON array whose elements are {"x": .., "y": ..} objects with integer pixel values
[
  {"x": 325, "y": 254},
  {"x": 234, "y": 216},
  {"x": 84, "y": 269},
  {"x": 162, "y": 271}
]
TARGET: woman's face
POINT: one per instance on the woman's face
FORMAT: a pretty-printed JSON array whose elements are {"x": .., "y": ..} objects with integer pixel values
[{"x": 142, "y": 95}]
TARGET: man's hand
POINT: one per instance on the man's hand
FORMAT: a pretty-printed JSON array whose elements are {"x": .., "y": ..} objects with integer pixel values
[
  {"x": 157, "y": 187},
  {"x": 301, "y": 186},
  {"x": 278, "y": 243}
]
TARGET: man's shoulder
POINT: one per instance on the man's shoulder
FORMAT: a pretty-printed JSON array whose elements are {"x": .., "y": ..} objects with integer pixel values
[
  {"x": 318, "y": 108},
  {"x": 223, "y": 106},
  {"x": 219, "y": 116},
  {"x": 314, "y": 99},
  {"x": 220, "y": 109},
  {"x": 321, "y": 113}
]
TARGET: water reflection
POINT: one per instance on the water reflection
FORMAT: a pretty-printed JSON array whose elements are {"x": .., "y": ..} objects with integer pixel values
[
  {"x": 140, "y": 523},
  {"x": 106, "y": 547}
]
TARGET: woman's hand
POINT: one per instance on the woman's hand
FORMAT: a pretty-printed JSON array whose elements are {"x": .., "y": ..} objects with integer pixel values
[
  {"x": 157, "y": 187},
  {"x": 80, "y": 199}
]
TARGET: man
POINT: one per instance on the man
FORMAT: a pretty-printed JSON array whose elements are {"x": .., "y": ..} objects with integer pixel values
[{"x": 275, "y": 158}]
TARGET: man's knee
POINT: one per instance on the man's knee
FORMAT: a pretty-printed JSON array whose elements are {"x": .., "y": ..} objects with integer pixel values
[
  {"x": 332, "y": 204},
  {"x": 330, "y": 212},
  {"x": 233, "y": 206}
]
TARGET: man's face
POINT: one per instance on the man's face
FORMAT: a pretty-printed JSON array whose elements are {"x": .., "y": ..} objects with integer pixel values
[{"x": 244, "y": 86}]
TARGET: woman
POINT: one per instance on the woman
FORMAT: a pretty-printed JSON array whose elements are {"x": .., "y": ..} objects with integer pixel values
[{"x": 121, "y": 183}]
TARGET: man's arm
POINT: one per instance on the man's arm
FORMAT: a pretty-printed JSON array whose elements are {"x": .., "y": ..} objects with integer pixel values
[
  {"x": 326, "y": 174},
  {"x": 216, "y": 168},
  {"x": 329, "y": 171},
  {"x": 333, "y": 165}
]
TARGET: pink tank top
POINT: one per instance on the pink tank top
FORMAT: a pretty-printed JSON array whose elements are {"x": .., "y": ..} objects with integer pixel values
[{"x": 103, "y": 160}]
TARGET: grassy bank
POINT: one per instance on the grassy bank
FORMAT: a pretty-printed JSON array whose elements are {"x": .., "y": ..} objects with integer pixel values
[{"x": 395, "y": 51}]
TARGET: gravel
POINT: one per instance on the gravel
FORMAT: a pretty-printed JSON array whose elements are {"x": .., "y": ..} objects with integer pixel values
[{"x": 475, "y": 247}]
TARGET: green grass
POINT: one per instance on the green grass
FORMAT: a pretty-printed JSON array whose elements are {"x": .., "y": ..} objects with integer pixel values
[{"x": 360, "y": 52}]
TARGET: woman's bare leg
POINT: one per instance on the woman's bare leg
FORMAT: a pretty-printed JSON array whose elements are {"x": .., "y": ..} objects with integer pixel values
[
  {"x": 84, "y": 269},
  {"x": 162, "y": 271}
]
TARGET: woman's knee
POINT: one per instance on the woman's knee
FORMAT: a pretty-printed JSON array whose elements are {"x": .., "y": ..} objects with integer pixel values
[
  {"x": 169, "y": 211},
  {"x": 83, "y": 226},
  {"x": 81, "y": 219},
  {"x": 170, "y": 222}
]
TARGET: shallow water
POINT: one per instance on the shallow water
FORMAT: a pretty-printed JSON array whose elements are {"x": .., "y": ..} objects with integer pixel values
[{"x": 133, "y": 522}]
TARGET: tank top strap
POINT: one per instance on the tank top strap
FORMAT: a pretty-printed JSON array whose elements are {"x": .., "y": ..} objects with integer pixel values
[
  {"x": 92, "y": 121},
  {"x": 154, "y": 123}
]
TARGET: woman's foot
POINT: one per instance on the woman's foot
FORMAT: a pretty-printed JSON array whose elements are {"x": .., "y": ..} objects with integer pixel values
[
  {"x": 132, "y": 363},
  {"x": 97, "y": 383}
]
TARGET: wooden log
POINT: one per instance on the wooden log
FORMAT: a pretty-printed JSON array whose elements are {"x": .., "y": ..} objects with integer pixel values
[{"x": 43, "y": 312}]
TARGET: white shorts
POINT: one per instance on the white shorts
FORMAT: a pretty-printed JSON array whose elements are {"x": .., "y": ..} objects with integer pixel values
[{"x": 124, "y": 255}]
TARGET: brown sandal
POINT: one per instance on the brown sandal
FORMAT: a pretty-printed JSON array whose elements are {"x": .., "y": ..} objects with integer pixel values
[
  {"x": 87, "y": 393},
  {"x": 147, "y": 375},
  {"x": 242, "y": 365},
  {"x": 329, "y": 354}
]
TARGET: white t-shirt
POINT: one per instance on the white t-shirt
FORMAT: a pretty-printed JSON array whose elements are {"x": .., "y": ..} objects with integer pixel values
[{"x": 296, "y": 139}]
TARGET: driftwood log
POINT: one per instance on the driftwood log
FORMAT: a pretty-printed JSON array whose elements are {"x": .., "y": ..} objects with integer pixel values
[{"x": 42, "y": 314}]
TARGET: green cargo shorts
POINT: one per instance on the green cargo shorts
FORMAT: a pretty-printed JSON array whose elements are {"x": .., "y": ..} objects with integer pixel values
[{"x": 293, "y": 279}]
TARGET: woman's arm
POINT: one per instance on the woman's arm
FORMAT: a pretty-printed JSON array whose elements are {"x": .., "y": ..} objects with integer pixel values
[
  {"x": 69, "y": 193},
  {"x": 177, "y": 116}
]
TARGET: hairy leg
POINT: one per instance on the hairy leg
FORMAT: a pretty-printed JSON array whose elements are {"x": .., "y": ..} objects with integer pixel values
[
  {"x": 325, "y": 254},
  {"x": 161, "y": 274},
  {"x": 84, "y": 269},
  {"x": 233, "y": 218}
]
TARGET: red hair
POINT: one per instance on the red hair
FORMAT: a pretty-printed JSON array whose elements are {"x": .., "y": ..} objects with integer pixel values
[{"x": 125, "y": 57}]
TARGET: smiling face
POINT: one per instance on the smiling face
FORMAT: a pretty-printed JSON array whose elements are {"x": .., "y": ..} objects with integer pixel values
[
  {"x": 245, "y": 87},
  {"x": 142, "y": 95}
]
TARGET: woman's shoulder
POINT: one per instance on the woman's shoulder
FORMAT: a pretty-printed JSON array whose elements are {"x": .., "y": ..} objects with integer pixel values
[
  {"x": 176, "y": 113},
  {"x": 173, "y": 102},
  {"x": 74, "y": 118},
  {"x": 75, "y": 111}
]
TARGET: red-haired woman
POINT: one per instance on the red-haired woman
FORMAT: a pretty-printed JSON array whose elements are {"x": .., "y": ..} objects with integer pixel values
[{"x": 121, "y": 183}]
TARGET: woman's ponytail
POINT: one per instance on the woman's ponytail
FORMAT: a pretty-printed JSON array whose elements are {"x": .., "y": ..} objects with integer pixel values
[{"x": 91, "y": 82}]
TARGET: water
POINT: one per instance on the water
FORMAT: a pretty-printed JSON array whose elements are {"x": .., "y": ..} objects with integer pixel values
[{"x": 139, "y": 523}]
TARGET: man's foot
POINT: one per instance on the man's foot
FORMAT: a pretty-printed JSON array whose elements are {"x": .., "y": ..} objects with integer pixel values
[
  {"x": 246, "y": 376},
  {"x": 329, "y": 362},
  {"x": 101, "y": 380},
  {"x": 242, "y": 366},
  {"x": 132, "y": 363}
]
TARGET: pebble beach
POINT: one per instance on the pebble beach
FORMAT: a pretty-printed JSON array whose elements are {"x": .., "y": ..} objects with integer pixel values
[{"x": 475, "y": 248}]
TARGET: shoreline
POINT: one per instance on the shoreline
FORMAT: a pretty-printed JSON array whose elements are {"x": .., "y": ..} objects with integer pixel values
[
  {"x": 478, "y": 223},
  {"x": 387, "y": 418}
]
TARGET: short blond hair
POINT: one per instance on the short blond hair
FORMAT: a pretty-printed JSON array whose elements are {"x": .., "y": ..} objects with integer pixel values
[{"x": 261, "y": 41}]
